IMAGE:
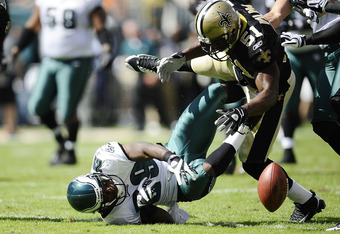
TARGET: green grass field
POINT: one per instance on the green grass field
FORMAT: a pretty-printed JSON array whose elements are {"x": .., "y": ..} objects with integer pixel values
[{"x": 33, "y": 194}]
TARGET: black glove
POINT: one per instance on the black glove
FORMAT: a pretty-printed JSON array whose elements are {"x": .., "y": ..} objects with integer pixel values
[{"x": 231, "y": 119}]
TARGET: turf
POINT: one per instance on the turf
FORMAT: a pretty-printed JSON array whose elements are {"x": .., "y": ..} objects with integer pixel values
[{"x": 33, "y": 194}]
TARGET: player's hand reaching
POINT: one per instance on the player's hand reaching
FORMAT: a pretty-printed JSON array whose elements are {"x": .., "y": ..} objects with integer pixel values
[
  {"x": 292, "y": 39},
  {"x": 168, "y": 65},
  {"x": 231, "y": 119},
  {"x": 318, "y": 5},
  {"x": 179, "y": 167},
  {"x": 147, "y": 192}
]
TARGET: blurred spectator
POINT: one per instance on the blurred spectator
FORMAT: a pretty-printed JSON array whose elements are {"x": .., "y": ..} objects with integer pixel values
[{"x": 147, "y": 89}]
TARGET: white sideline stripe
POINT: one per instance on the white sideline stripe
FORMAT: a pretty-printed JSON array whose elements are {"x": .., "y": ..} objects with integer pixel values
[{"x": 236, "y": 190}]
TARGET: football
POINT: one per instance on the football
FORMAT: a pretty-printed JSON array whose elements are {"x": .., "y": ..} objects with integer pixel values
[{"x": 272, "y": 187}]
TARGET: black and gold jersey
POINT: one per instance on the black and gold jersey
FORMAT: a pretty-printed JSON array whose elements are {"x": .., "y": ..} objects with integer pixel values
[{"x": 257, "y": 48}]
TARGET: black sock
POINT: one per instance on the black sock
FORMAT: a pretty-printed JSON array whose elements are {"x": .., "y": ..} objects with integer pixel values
[{"x": 221, "y": 158}]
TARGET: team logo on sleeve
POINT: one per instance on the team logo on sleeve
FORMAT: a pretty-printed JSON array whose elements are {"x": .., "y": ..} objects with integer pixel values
[
  {"x": 264, "y": 57},
  {"x": 225, "y": 19}
]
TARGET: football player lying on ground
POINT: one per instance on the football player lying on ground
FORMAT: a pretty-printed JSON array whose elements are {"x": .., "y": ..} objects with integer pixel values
[
  {"x": 237, "y": 38},
  {"x": 128, "y": 181}
]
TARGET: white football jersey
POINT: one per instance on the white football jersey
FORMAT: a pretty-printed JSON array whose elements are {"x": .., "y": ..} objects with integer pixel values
[
  {"x": 66, "y": 30},
  {"x": 111, "y": 159}
]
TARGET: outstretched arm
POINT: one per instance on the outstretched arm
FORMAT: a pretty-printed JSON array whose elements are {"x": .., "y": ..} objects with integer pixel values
[
  {"x": 144, "y": 151},
  {"x": 267, "y": 82},
  {"x": 280, "y": 10}
]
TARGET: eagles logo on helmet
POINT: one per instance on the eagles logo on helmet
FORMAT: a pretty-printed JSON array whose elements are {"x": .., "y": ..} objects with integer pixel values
[
  {"x": 218, "y": 27},
  {"x": 96, "y": 192}
]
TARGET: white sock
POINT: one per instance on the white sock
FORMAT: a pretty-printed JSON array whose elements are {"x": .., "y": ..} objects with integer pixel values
[
  {"x": 298, "y": 194},
  {"x": 69, "y": 145},
  {"x": 287, "y": 142}
]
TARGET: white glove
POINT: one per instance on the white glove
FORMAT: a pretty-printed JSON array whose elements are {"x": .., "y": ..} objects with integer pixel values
[
  {"x": 292, "y": 39},
  {"x": 168, "y": 65},
  {"x": 179, "y": 215},
  {"x": 179, "y": 167},
  {"x": 319, "y": 5},
  {"x": 311, "y": 15},
  {"x": 146, "y": 192}
]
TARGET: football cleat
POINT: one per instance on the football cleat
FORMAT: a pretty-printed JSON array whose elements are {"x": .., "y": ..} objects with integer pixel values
[
  {"x": 142, "y": 63},
  {"x": 335, "y": 228},
  {"x": 63, "y": 156},
  {"x": 304, "y": 212}
]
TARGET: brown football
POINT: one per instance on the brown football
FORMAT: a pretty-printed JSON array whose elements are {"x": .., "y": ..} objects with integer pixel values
[{"x": 272, "y": 187}]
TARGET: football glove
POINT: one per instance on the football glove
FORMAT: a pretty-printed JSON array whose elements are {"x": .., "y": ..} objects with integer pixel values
[
  {"x": 318, "y": 5},
  {"x": 146, "y": 192},
  {"x": 179, "y": 167},
  {"x": 311, "y": 15},
  {"x": 231, "y": 119},
  {"x": 292, "y": 39},
  {"x": 168, "y": 65}
]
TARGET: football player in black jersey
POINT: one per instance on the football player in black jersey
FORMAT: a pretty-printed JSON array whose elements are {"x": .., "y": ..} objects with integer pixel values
[{"x": 235, "y": 42}]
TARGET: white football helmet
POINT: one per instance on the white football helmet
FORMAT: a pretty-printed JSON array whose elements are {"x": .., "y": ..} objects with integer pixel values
[{"x": 96, "y": 192}]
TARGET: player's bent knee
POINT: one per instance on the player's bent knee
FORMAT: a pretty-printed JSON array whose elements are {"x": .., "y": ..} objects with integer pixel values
[{"x": 208, "y": 169}]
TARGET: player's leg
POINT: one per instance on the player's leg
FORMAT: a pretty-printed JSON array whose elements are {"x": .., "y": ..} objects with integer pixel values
[
  {"x": 324, "y": 116},
  {"x": 195, "y": 129},
  {"x": 291, "y": 119},
  {"x": 71, "y": 80},
  {"x": 307, "y": 203},
  {"x": 196, "y": 189},
  {"x": 42, "y": 96}
]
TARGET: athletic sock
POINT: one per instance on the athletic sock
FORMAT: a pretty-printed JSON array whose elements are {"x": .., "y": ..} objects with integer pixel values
[{"x": 299, "y": 194}]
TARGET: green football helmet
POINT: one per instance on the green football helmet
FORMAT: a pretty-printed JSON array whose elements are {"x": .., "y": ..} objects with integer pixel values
[
  {"x": 218, "y": 27},
  {"x": 96, "y": 192}
]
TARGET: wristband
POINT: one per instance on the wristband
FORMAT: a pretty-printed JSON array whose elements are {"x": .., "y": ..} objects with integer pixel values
[
  {"x": 178, "y": 55},
  {"x": 26, "y": 38},
  {"x": 167, "y": 155}
]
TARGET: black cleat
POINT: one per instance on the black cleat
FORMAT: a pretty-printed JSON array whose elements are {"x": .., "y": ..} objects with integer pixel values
[
  {"x": 63, "y": 156},
  {"x": 305, "y": 212},
  {"x": 142, "y": 63},
  {"x": 288, "y": 156},
  {"x": 335, "y": 228}
]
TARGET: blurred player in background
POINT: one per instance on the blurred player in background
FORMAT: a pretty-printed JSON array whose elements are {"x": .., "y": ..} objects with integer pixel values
[
  {"x": 326, "y": 114},
  {"x": 7, "y": 96},
  {"x": 305, "y": 63},
  {"x": 5, "y": 24},
  {"x": 67, "y": 48}
]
